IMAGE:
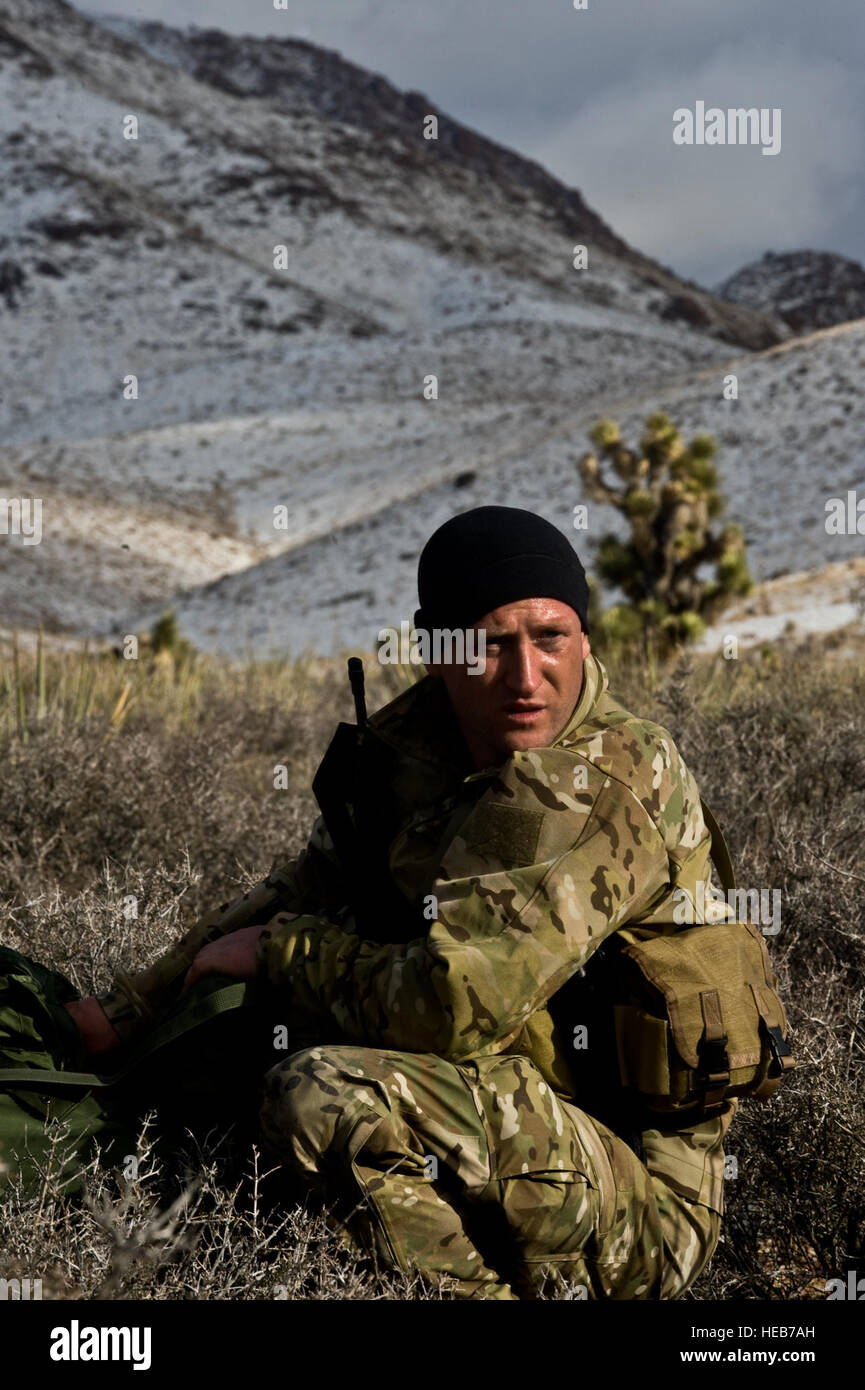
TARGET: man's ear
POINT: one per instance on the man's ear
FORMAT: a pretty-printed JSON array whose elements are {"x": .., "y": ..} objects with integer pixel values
[{"x": 587, "y": 646}]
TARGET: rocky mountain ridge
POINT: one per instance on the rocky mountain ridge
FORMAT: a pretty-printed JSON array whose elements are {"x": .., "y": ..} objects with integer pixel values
[{"x": 805, "y": 289}]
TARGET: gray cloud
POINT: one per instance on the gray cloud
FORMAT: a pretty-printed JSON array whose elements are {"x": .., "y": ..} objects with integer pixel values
[
  {"x": 591, "y": 95},
  {"x": 706, "y": 209}
]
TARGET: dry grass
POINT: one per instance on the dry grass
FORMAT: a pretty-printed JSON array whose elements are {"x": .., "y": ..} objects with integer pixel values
[{"x": 171, "y": 800}]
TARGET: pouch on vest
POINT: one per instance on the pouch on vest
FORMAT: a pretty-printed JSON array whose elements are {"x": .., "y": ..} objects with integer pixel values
[{"x": 697, "y": 1014}]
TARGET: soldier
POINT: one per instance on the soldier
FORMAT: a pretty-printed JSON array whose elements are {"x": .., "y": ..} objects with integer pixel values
[{"x": 494, "y": 829}]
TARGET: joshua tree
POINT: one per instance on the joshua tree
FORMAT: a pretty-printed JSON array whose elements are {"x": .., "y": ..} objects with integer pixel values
[
  {"x": 169, "y": 649},
  {"x": 670, "y": 497}
]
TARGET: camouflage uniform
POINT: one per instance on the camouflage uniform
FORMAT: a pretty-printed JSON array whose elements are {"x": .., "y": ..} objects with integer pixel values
[{"x": 442, "y": 1105}]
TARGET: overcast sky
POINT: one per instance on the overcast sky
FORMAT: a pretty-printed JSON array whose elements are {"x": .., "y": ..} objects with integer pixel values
[{"x": 591, "y": 95}]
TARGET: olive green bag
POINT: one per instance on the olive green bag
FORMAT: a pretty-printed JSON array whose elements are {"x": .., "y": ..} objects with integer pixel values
[
  {"x": 697, "y": 1014},
  {"x": 197, "y": 1070}
]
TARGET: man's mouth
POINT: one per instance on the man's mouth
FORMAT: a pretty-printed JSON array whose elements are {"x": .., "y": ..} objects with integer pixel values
[{"x": 524, "y": 714}]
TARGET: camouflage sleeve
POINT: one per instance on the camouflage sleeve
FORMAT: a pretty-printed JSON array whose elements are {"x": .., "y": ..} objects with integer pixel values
[
  {"x": 504, "y": 939},
  {"x": 309, "y": 883}
]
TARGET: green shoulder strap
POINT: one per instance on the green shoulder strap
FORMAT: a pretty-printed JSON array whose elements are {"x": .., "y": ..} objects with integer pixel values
[
  {"x": 198, "y": 1011},
  {"x": 720, "y": 852}
]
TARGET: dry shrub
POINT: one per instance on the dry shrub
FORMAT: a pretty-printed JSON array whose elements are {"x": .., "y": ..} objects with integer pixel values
[
  {"x": 780, "y": 757},
  {"x": 177, "y": 808}
]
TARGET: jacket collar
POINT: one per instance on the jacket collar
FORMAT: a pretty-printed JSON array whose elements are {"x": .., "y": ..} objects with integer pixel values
[{"x": 595, "y": 685}]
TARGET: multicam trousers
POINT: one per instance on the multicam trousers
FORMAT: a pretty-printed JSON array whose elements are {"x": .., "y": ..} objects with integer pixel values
[{"x": 479, "y": 1171}]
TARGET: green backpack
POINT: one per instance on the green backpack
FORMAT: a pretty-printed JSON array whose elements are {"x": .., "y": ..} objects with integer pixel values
[{"x": 197, "y": 1069}]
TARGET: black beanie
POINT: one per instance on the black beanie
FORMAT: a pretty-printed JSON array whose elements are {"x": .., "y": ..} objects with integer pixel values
[{"x": 490, "y": 556}]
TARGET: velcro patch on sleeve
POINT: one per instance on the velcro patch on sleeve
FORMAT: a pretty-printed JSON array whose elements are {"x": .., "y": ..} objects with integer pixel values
[{"x": 509, "y": 834}]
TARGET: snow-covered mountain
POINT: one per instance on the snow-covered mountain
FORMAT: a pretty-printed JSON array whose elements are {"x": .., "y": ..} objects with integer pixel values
[
  {"x": 155, "y": 255},
  {"x": 806, "y": 289},
  {"x": 302, "y": 388}
]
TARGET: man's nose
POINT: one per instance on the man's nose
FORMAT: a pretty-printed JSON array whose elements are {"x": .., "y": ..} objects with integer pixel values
[{"x": 523, "y": 674}]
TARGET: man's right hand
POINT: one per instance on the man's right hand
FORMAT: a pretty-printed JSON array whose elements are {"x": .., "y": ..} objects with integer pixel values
[{"x": 97, "y": 1033}]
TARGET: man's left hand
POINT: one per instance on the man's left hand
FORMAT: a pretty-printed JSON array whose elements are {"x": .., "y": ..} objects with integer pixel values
[{"x": 234, "y": 954}]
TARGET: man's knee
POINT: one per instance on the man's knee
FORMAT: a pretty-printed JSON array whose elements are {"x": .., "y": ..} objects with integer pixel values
[
  {"x": 691, "y": 1234},
  {"x": 315, "y": 1099}
]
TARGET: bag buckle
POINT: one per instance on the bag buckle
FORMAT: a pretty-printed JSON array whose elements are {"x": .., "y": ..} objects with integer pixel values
[
  {"x": 714, "y": 1070},
  {"x": 714, "y": 1058},
  {"x": 782, "y": 1056}
]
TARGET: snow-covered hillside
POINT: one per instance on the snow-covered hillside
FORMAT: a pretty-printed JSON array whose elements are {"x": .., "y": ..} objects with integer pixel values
[
  {"x": 792, "y": 439},
  {"x": 155, "y": 255},
  {"x": 302, "y": 388}
]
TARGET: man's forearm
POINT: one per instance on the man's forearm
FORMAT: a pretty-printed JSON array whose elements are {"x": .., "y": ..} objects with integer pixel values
[{"x": 137, "y": 997}]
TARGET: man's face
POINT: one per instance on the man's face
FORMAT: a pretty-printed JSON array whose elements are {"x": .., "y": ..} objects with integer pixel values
[{"x": 532, "y": 681}]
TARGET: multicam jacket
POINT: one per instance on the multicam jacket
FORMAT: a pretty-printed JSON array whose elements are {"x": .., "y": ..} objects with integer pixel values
[{"x": 505, "y": 882}]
